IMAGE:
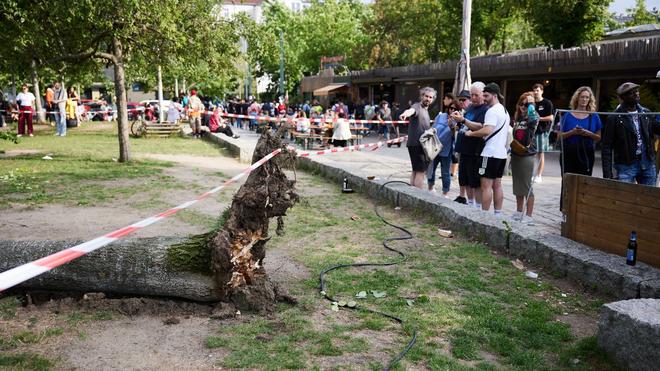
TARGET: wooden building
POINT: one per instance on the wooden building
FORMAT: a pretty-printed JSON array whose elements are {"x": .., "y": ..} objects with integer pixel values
[{"x": 603, "y": 66}]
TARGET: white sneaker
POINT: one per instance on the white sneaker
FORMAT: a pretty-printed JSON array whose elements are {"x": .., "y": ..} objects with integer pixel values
[
  {"x": 538, "y": 179},
  {"x": 31, "y": 135},
  {"x": 529, "y": 220},
  {"x": 19, "y": 135},
  {"x": 516, "y": 216},
  {"x": 433, "y": 191}
]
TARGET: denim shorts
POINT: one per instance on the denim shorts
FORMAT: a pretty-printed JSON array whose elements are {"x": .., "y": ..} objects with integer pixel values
[{"x": 641, "y": 171}]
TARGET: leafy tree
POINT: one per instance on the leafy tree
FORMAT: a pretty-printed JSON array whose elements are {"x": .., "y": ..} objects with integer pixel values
[
  {"x": 413, "y": 32},
  {"x": 348, "y": 37},
  {"x": 500, "y": 26},
  {"x": 568, "y": 22},
  {"x": 124, "y": 34},
  {"x": 640, "y": 14},
  {"x": 325, "y": 28}
]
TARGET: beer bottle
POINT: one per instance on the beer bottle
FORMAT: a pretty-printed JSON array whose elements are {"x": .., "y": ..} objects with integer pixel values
[{"x": 631, "y": 255}]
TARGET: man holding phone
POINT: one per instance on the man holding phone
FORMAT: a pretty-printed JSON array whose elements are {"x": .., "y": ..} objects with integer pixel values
[{"x": 494, "y": 154}]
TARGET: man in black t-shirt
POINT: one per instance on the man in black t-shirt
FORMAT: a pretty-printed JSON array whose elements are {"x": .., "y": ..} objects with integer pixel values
[
  {"x": 546, "y": 118},
  {"x": 420, "y": 121},
  {"x": 470, "y": 147}
]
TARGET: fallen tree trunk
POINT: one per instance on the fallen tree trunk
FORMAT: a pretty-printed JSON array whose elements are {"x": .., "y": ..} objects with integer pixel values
[
  {"x": 140, "y": 267},
  {"x": 238, "y": 250},
  {"x": 224, "y": 265}
]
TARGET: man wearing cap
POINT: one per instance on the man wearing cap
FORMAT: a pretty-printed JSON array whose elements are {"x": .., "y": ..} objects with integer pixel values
[
  {"x": 464, "y": 100},
  {"x": 493, "y": 156},
  {"x": 195, "y": 109},
  {"x": 470, "y": 148},
  {"x": 628, "y": 139}
]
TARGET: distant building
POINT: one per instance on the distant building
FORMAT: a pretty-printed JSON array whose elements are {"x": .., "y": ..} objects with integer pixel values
[
  {"x": 254, "y": 8},
  {"x": 602, "y": 65}
]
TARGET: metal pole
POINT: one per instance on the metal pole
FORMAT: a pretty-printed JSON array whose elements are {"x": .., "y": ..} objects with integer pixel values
[
  {"x": 176, "y": 87},
  {"x": 160, "y": 95},
  {"x": 463, "y": 79},
  {"x": 281, "y": 86}
]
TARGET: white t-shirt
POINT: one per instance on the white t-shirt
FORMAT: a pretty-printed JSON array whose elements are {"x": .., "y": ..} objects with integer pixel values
[
  {"x": 26, "y": 99},
  {"x": 497, "y": 117}
]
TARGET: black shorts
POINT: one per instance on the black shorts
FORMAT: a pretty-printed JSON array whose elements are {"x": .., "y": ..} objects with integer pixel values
[
  {"x": 494, "y": 167},
  {"x": 468, "y": 171},
  {"x": 418, "y": 158},
  {"x": 454, "y": 158}
]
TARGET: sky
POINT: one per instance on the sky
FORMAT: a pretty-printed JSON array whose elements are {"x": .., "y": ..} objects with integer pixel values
[{"x": 620, "y": 6}]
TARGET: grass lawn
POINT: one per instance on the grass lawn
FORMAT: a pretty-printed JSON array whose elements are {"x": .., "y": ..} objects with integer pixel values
[
  {"x": 471, "y": 308},
  {"x": 83, "y": 169}
]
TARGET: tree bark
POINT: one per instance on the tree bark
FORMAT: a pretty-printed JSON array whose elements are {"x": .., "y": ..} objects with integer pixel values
[
  {"x": 120, "y": 93},
  {"x": 134, "y": 266},
  {"x": 41, "y": 118},
  {"x": 238, "y": 250}
]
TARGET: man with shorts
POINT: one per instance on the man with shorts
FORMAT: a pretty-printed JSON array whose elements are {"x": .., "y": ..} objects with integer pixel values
[
  {"x": 493, "y": 156},
  {"x": 470, "y": 147},
  {"x": 544, "y": 108},
  {"x": 419, "y": 123}
]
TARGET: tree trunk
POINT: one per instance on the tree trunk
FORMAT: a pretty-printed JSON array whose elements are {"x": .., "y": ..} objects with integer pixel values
[
  {"x": 238, "y": 250},
  {"x": 41, "y": 118},
  {"x": 120, "y": 93},
  {"x": 135, "y": 266}
]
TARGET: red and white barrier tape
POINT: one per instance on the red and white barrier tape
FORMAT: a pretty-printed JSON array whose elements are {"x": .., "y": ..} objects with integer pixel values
[
  {"x": 22, "y": 273},
  {"x": 358, "y": 147},
  {"x": 321, "y": 120},
  {"x": 247, "y": 117}
]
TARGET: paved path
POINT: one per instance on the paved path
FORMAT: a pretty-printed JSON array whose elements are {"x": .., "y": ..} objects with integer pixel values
[{"x": 393, "y": 163}]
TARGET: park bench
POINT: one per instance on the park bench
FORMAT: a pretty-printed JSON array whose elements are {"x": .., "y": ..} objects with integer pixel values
[{"x": 160, "y": 130}]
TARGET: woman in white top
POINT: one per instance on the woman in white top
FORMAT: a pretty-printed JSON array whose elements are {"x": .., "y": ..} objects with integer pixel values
[
  {"x": 174, "y": 111},
  {"x": 341, "y": 131},
  {"x": 25, "y": 101}
]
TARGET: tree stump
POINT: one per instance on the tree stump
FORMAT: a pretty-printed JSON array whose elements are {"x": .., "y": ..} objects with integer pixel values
[{"x": 238, "y": 249}]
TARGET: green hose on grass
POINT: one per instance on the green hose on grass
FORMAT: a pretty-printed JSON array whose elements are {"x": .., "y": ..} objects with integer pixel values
[{"x": 402, "y": 258}]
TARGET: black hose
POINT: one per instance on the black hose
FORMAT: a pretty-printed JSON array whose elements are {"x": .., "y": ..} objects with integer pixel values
[{"x": 403, "y": 258}]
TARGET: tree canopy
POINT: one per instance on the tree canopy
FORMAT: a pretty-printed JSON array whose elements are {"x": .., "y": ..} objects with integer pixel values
[{"x": 639, "y": 14}]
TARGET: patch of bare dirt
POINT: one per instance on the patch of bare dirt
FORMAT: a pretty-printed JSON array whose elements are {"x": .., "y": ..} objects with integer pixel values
[
  {"x": 19, "y": 152},
  {"x": 59, "y": 222},
  {"x": 581, "y": 325},
  {"x": 62, "y": 222},
  {"x": 144, "y": 343}
]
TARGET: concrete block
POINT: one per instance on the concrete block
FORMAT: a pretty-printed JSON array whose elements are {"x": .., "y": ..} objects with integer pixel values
[{"x": 629, "y": 330}]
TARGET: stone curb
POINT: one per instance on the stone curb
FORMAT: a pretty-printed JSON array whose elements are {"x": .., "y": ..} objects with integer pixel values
[{"x": 244, "y": 153}]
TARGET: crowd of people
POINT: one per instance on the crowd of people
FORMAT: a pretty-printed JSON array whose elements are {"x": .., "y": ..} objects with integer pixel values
[
  {"x": 476, "y": 131},
  {"x": 478, "y": 136}
]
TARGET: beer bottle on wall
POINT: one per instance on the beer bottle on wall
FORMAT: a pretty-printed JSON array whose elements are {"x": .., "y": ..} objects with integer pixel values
[{"x": 631, "y": 255}]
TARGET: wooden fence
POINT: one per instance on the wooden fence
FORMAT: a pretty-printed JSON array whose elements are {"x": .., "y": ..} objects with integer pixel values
[{"x": 601, "y": 213}]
